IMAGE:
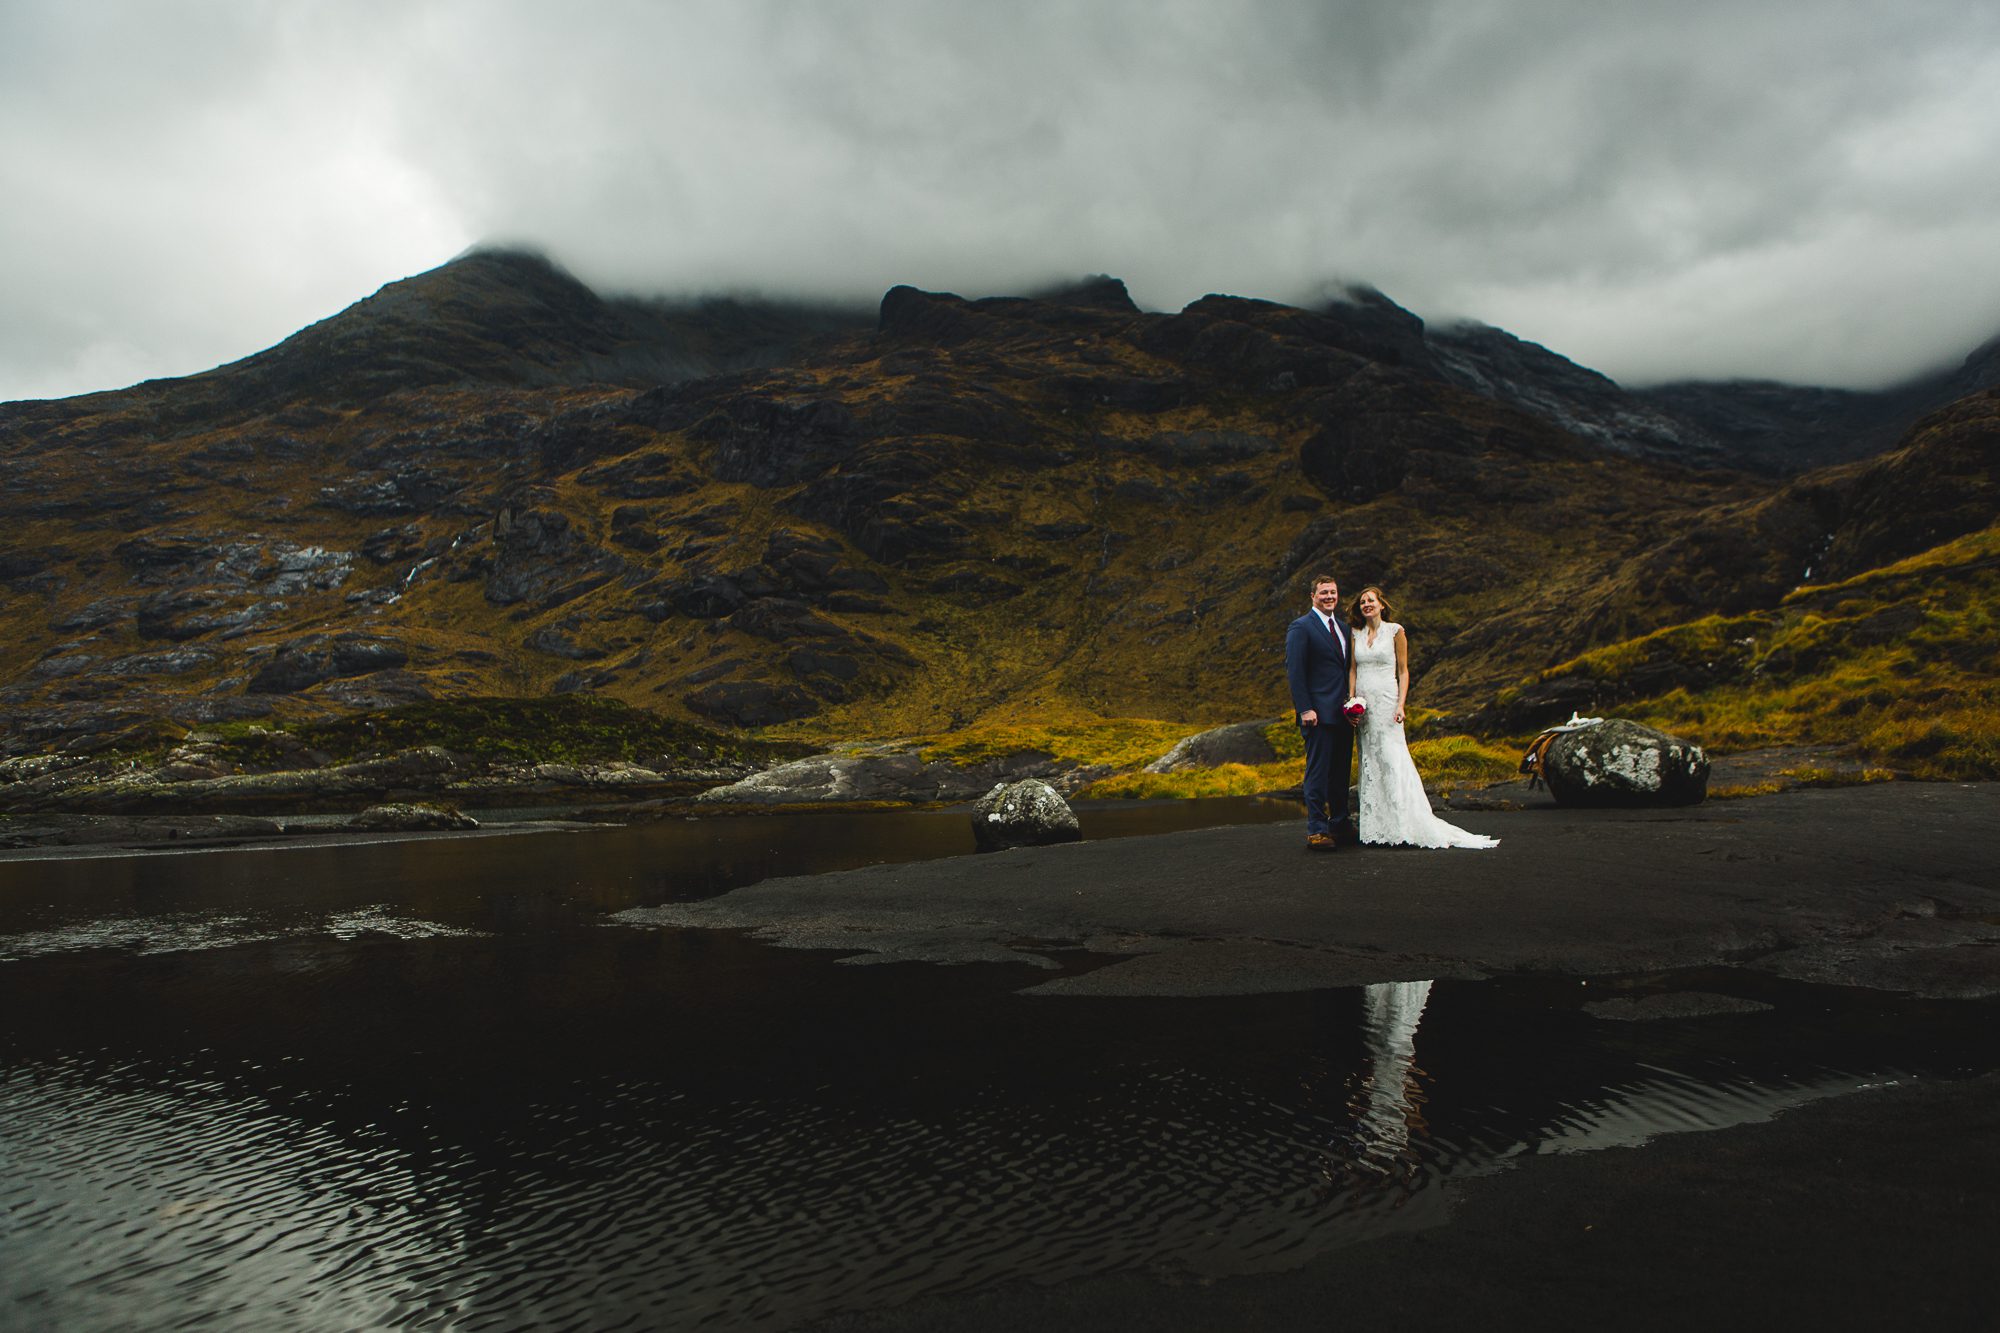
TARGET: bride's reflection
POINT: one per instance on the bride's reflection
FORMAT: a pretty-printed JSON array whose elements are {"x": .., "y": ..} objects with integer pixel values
[{"x": 1388, "y": 1103}]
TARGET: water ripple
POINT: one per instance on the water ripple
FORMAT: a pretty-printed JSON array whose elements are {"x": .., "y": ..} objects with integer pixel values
[
  {"x": 187, "y": 932},
  {"x": 687, "y": 1159}
]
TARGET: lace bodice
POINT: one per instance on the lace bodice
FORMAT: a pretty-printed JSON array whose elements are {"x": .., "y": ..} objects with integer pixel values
[{"x": 1379, "y": 657}]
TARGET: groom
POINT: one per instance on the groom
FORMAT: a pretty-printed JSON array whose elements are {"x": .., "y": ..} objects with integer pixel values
[{"x": 1318, "y": 649}]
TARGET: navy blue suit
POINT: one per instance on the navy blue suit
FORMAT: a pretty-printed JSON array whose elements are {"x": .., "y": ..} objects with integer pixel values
[{"x": 1316, "y": 661}]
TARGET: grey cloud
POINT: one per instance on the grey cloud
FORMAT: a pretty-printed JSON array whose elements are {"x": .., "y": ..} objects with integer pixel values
[{"x": 1793, "y": 189}]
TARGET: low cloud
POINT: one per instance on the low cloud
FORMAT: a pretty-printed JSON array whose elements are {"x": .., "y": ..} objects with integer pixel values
[{"x": 1799, "y": 190}]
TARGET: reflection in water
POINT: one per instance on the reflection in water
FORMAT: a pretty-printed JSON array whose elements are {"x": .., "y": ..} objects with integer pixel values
[
  {"x": 1389, "y": 1104},
  {"x": 428, "y": 1086}
]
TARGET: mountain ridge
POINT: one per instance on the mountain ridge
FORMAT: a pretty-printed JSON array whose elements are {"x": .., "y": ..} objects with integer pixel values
[{"x": 958, "y": 509}]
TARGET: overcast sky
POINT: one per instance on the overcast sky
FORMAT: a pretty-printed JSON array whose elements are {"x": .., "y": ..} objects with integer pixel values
[{"x": 1801, "y": 189}]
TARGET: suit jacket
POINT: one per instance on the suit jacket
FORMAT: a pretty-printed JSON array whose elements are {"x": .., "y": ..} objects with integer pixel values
[{"x": 1316, "y": 661}]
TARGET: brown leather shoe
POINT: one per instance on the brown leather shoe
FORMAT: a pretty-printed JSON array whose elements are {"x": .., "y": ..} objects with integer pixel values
[{"x": 1320, "y": 842}]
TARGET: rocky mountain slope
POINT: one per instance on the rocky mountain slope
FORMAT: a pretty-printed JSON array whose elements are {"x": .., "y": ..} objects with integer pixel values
[
  {"x": 1753, "y": 425},
  {"x": 486, "y": 481}
]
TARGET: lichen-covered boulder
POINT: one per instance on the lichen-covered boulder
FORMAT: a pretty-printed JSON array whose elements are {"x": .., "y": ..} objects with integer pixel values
[
  {"x": 1617, "y": 762},
  {"x": 1029, "y": 813},
  {"x": 410, "y": 819}
]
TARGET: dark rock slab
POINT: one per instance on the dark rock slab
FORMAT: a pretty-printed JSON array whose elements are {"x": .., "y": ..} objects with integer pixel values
[
  {"x": 540, "y": 554},
  {"x": 57, "y": 830},
  {"x": 307, "y": 661},
  {"x": 751, "y": 703}
]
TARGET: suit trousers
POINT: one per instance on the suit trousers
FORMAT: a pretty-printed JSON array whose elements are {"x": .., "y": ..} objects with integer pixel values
[{"x": 1329, "y": 755}]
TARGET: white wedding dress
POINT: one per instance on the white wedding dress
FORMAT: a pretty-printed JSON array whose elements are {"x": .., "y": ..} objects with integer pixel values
[{"x": 1394, "y": 808}]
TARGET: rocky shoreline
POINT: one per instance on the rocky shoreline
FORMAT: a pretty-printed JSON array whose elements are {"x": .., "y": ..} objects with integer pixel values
[
  {"x": 50, "y": 800},
  {"x": 78, "y": 800},
  {"x": 64, "y": 784}
]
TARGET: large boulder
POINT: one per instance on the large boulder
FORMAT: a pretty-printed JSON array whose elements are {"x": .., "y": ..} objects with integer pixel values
[
  {"x": 1237, "y": 743},
  {"x": 1029, "y": 813},
  {"x": 1617, "y": 762}
]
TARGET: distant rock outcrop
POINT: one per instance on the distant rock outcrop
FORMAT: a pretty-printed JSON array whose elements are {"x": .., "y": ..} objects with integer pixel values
[
  {"x": 1237, "y": 743},
  {"x": 901, "y": 776},
  {"x": 411, "y": 818}
]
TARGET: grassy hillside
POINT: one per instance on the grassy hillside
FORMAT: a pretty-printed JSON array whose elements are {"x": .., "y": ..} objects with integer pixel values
[
  {"x": 1901, "y": 664},
  {"x": 1060, "y": 524}
]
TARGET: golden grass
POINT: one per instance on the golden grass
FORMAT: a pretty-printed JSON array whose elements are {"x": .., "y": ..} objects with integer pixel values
[
  {"x": 1464, "y": 760},
  {"x": 1739, "y": 790},
  {"x": 1190, "y": 783},
  {"x": 1121, "y": 742},
  {"x": 1456, "y": 761},
  {"x": 1814, "y": 775}
]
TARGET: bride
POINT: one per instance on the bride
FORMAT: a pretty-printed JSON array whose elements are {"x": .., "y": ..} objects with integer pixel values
[{"x": 1394, "y": 808}]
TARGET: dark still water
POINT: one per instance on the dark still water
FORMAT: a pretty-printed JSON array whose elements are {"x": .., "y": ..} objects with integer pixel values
[{"x": 429, "y": 1084}]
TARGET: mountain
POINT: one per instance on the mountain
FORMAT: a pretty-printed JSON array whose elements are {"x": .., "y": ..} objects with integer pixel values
[
  {"x": 487, "y": 481},
  {"x": 501, "y": 318},
  {"x": 1753, "y": 425},
  {"x": 1783, "y": 428}
]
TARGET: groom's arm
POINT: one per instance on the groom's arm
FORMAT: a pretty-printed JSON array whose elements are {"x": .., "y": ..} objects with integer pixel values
[{"x": 1296, "y": 648}]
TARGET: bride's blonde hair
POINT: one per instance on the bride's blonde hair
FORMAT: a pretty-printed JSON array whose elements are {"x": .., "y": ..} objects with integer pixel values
[{"x": 1354, "y": 616}]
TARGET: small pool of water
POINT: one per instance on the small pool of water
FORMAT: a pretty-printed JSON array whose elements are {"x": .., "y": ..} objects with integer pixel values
[{"x": 432, "y": 1085}]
